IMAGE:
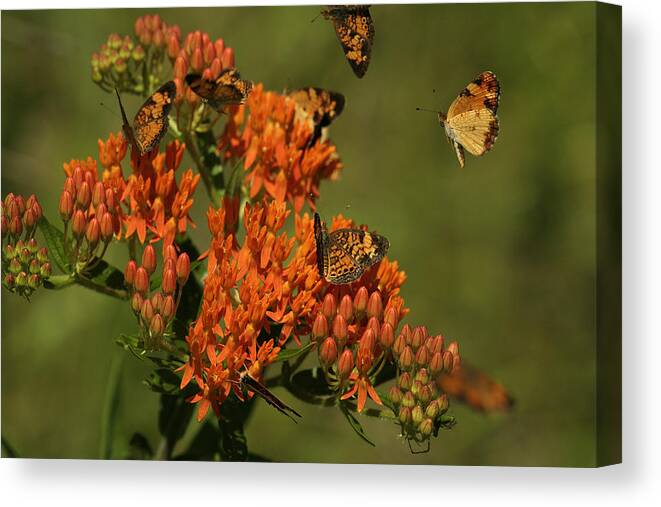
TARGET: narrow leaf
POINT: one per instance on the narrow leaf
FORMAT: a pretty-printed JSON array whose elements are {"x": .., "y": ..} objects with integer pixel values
[
  {"x": 139, "y": 447},
  {"x": 7, "y": 450},
  {"x": 293, "y": 353},
  {"x": 355, "y": 425},
  {"x": 55, "y": 243},
  {"x": 110, "y": 407}
]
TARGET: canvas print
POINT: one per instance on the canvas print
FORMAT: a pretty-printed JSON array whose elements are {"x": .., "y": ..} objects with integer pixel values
[{"x": 340, "y": 234}]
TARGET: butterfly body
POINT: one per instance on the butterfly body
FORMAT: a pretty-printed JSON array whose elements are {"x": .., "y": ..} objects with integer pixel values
[
  {"x": 355, "y": 31},
  {"x": 263, "y": 392},
  {"x": 319, "y": 106},
  {"x": 345, "y": 254},
  {"x": 228, "y": 89},
  {"x": 471, "y": 123},
  {"x": 151, "y": 121}
]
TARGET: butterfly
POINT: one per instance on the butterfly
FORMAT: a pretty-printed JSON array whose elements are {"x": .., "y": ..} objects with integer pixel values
[
  {"x": 476, "y": 388},
  {"x": 355, "y": 30},
  {"x": 471, "y": 122},
  {"x": 263, "y": 392},
  {"x": 345, "y": 254},
  {"x": 228, "y": 89},
  {"x": 151, "y": 121},
  {"x": 320, "y": 106}
]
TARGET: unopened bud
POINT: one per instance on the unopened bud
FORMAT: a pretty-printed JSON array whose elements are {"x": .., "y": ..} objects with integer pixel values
[
  {"x": 320, "y": 327},
  {"x": 156, "y": 326},
  {"x": 141, "y": 282},
  {"x": 93, "y": 233},
  {"x": 405, "y": 381},
  {"x": 79, "y": 224},
  {"x": 169, "y": 283},
  {"x": 345, "y": 364},
  {"x": 329, "y": 306},
  {"x": 66, "y": 206},
  {"x": 328, "y": 352},
  {"x": 404, "y": 415},
  {"x": 146, "y": 311},
  {"x": 387, "y": 336},
  {"x": 426, "y": 427},
  {"x": 406, "y": 359},
  {"x": 395, "y": 394},
  {"x": 168, "y": 308},
  {"x": 340, "y": 328},
  {"x": 346, "y": 308},
  {"x": 136, "y": 302},
  {"x": 183, "y": 268},
  {"x": 149, "y": 259},
  {"x": 417, "y": 415},
  {"x": 375, "y": 305},
  {"x": 360, "y": 301}
]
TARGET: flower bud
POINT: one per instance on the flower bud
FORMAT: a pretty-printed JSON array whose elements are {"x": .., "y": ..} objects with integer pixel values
[
  {"x": 197, "y": 60},
  {"x": 183, "y": 268},
  {"x": 10, "y": 280},
  {"x": 406, "y": 333},
  {"x": 15, "y": 266},
  {"x": 387, "y": 336},
  {"x": 146, "y": 311},
  {"x": 339, "y": 328},
  {"x": 436, "y": 363},
  {"x": 328, "y": 352},
  {"x": 432, "y": 409},
  {"x": 399, "y": 344},
  {"x": 5, "y": 226},
  {"x": 42, "y": 254},
  {"x": 129, "y": 272},
  {"x": 34, "y": 267},
  {"x": 391, "y": 317},
  {"x": 448, "y": 361},
  {"x": 9, "y": 251},
  {"x": 374, "y": 324},
  {"x": 345, "y": 364},
  {"x": 346, "y": 308},
  {"x": 443, "y": 403},
  {"x": 215, "y": 68},
  {"x": 141, "y": 282},
  {"x": 395, "y": 394},
  {"x": 16, "y": 227},
  {"x": 149, "y": 259},
  {"x": 406, "y": 359},
  {"x": 404, "y": 381},
  {"x": 34, "y": 281},
  {"x": 453, "y": 348},
  {"x": 30, "y": 220},
  {"x": 320, "y": 327},
  {"x": 219, "y": 46},
  {"x": 168, "y": 308},
  {"x": 169, "y": 283},
  {"x": 107, "y": 227},
  {"x": 425, "y": 394},
  {"x": 426, "y": 427},
  {"x": 22, "y": 279},
  {"x": 79, "y": 224},
  {"x": 437, "y": 343},
  {"x": 375, "y": 305},
  {"x": 417, "y": 415},
  {"x": 173, "y": 47},
  {"x": 136, "y": 302},
  {"x": 415, "y": 388},
  {"x": 419, "y": 336},
  {"x": 32, "y": 246},
  {"x": 360, "y": 301},
  {"x": 329, "y": 306},
  {"x": 93, "y": 233},
  {"x": 156, "y": 326},
  {"x": 45, "y": 270},
  {"x": 157, "y": 302},
  {"x": 170, "y": 252},
  {"x": 404, "y": 415},
  {"x": 84, "y": 195},
  {"x": 227, "y": 58},
  {"x": 180, "y": 67},
  {"x": 98, "y": 194},
  {"x": 138, "y": 54},
  {"x": 422, "y": 375},
  {"x": 408, "y": 400},
  {"x": 422, "y": 356}
]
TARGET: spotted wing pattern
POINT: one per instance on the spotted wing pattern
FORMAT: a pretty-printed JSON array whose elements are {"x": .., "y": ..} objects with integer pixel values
[
  {"x": 227, "y": 90},
  {"x": 355, "y": 30},
  {"x": 151, "y": 121},
  {"x": 345, "y": 254},
  {"x": 471, "y": 121},
  {"x": 319, "y": 106}
]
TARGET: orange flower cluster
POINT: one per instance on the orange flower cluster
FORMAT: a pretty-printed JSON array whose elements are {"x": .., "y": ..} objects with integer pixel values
[
  {"x": 251, "y": 292},
  {"x": 273, "y": 141}
]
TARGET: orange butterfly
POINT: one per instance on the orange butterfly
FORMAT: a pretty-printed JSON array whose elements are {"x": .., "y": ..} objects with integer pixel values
[
  {"x": 355, "y": 31},
  {"x": 151, "y": 121},
  {"x": 345, "y": 254},
  {"x": 319, "y": 106},
  {"x": 226, "y": 90},
  {"x": 471, "y": 122}
]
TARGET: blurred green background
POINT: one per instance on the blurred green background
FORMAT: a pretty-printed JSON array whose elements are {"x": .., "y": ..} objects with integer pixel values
[{"x": 500, "y": 255}]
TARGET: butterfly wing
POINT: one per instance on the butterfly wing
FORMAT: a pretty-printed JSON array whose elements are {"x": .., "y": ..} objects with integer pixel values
[
  {"x": 151, "y": 121},
  {"x": 365, "y": 248},
  {"x": 263, "y": 392},
  {"x": 355, "y": 31},
  {"x": 471, "y": 119},
  {"x": 227, "y": 90},
  {"x": 319, "y": 106},
  {"x": 341, "y": 267}
]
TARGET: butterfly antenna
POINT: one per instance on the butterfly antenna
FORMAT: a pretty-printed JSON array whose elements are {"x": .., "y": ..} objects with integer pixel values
[
  {"x": 315, "y": 18},
  {"x": 426, "y": 110},
  {"x": 114, "y": 113}
]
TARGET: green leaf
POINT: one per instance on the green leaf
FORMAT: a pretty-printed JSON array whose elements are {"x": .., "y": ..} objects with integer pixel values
[
  {"x": 205, "y": 446},
  {"x": 55, "y": 243},
  {"x": 139, "y": 447},
  {"x": 173, "y": 418},
  {"x": 355, "y": 424},
  {"x": 7, "y": 450},
  {"x": 310, "y": 386},
  {"x": 191, "y": 295},
  {"x": 103, "y": 275},
  {"x": 110, "y": 407},
  {"x": 163, "y": 381},
  {"x": 231, "y": 421},
  {"x": 292, "y": 353},
  {"x": 131, "y": 343}
]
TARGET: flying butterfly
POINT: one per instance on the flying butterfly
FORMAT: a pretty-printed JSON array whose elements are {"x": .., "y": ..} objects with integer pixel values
[
  {"x": 471, "y": 122},
  {"x": 228, "y": 89},
  {"x": 151, "y": 121},
  {"x": 355, "y": 31},
  {"x": 345, "y": 254},
  {"x": 319, "y": 106}
]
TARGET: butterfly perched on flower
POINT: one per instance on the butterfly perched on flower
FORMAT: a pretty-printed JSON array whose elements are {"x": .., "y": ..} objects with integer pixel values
[
  {"x": 319, "y": 106},
  {"x": 151, "y": 121},
  {"x": 345, "y": 254},
  {"x": 263, "y": 392},
  {"x": 228, "y": 89},
  {"x": 355, "y": 30},
  {"x": 471, "y": 122}
]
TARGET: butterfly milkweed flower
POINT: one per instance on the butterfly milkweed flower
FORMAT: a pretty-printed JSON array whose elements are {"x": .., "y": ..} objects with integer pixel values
[{"x": 275, "y": 143}]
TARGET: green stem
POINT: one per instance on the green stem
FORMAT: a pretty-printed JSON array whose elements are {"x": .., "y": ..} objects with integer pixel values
[
  {"x": 116, "y": 293},
  {"x": 204, "y": 173}
]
